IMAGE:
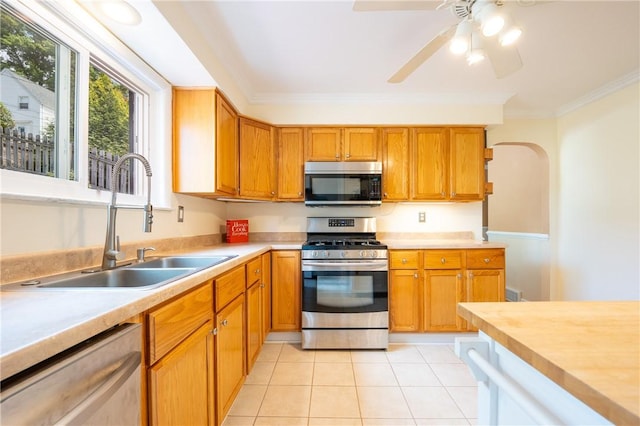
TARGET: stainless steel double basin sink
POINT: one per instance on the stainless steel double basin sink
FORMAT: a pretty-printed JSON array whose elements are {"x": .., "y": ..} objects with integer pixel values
[{"x": 145, "y": 275}]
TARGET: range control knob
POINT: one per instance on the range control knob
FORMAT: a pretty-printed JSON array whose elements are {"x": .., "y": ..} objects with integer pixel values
[
  {"x": 343, "y": 254},
  {"x": 363, "y": 253},
  {"x": 325, "y": 253},
  {"x": 315, "y": 253},
  {"x": 374, "y": 253}
]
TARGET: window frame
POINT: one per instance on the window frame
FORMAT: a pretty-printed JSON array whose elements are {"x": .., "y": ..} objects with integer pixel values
[{"x": 71, "y": 25}]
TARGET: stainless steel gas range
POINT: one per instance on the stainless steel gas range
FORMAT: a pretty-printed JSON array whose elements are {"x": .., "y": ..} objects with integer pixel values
[{"x": 345, "y": 301}]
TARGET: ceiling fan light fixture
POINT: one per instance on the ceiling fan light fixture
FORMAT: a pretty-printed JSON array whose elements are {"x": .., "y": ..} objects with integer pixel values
[
  {"x": 490, "y": 18},
  {"x": 462, "y": 38},
  {"x": 475, "y": 56},
  {"x": 510, "y": 35}
]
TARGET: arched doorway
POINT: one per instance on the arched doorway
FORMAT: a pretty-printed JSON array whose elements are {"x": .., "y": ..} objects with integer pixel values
[{"x": 518, "y": 215}]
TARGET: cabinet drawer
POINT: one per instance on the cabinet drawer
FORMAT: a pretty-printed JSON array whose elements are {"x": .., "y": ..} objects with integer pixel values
[
  {"x": 485, "y": 259},
  {"x": 175, "y": 321},
  {"x": 443, "y": 259},
  {"x": 404, "y": 259},
  {"x": 254, "y": 271},
  {"x": 229, "y": 286}
]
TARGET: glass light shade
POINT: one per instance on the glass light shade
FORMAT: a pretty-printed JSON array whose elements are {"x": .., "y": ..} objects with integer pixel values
[
  {"x": 491, "y": 20},
  {"x": 475, "y": 55},
  {"x": 461, "y": 40},
  {"x": 510, "y": 36}
]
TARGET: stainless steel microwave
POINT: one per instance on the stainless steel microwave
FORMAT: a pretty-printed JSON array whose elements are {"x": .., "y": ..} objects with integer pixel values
[{"x": 342, "y": 183}]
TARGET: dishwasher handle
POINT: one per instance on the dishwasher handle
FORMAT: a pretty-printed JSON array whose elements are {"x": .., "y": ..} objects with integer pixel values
[{"x": 85, "y": 408}]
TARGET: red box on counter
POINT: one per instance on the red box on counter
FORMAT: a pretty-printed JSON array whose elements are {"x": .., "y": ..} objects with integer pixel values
[{"x": 238, "y": 231}]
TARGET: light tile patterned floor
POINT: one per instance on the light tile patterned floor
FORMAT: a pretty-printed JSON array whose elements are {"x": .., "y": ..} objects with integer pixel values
[{"x": 405, "y": 385}]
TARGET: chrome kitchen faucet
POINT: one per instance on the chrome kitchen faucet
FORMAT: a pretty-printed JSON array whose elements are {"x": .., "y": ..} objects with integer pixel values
[{"x": 112, "y": 251}]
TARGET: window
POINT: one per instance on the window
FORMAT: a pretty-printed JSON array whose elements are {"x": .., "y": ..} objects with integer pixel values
[
  {"x": 86, "y": 54},
  {"x": 23, "y": 102},
  {"x": 112, "y": 128},
  {"x": 36, "y": 68}
]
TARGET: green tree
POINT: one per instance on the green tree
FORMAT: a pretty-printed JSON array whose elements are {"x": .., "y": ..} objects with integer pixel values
[
  {"x": 108, "y": 114},
  {"x": 27, "y": 52},
  {"x": 6, "y": 119}
]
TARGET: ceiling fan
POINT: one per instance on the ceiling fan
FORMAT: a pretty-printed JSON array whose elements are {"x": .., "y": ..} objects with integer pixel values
[{"x": 483, "y": 31}]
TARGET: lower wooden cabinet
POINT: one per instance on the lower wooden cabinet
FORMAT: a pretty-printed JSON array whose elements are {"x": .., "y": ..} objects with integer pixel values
[
  {"x": 254, "y": 323},
  {"x": 425, "y": 286},
  {"x": 180, "y": 361},
  {"x": 181, "y": 383},
  {"x": 285, "y": 290}
]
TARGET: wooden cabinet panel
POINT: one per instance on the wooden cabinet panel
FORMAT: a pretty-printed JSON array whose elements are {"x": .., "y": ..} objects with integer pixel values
[
  {"x": 361, "y": 144},
  {"x": 395, "y": 164},
  {"x": 404, "y": 259},
  {"x": 254, "y": 323},
  {"x": 444, "y": 259},
  {"x": 485, "y": 285},
  {"x": 266, "y": 294},
  {"x": 429, "y": 164},
  {"x": 181, "y": 383},
  {"x": 193, "y": 140},
  {"x": 291, "y": 164},
  {"x": 323, "y": 144},
  {"x": 286, "y": 290},
  {"x": 444, "y": 289},
  {"x": 230, "y": 354},
  {"x": 229, "y": 286},
  {"x": 257, "y": 160},
  {"x": 254, "y": 271},
  {"x": 173, "y": 322},
  {"x": 485, "y": 259},
  {"x": 226, "y": 160},
  {"x": 467, "y": 174},
  {"x": 405, "y": 300}
]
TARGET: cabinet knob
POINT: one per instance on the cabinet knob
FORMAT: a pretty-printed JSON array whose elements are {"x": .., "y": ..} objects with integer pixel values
[
  {"x": 337, "y": 155},
  {"x": 459, "y": 275},
  {"x": 443, "y": 194},
  {"x": 273, "y": 193},
  {"x": 453, "y": 194},
  {"x": 348, "y": 155},
  {"x": 299, "y": 194},
  {"x": 224, "y": 322},
  {"x": 257, "y": 271},
  {"x": 261, "y": 285},
  {"x": 443, "y": 260},
  {"x": 487, "y": 260},
  {"x": 404, "y": 260},
  {"x": 386, "y": 195},
  {"x": 470, "y": 274},
  {"x": 415, "y": 275}
]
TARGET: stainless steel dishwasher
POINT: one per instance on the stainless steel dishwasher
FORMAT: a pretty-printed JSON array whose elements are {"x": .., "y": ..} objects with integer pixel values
[{"x": 94, "y": 383}]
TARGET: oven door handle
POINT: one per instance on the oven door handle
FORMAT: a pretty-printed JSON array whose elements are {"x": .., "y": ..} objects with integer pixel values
[{"x": 364, "y": 265}]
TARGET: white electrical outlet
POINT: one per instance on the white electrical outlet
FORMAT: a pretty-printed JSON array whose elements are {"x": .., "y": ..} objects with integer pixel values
[{"x": 422, "y": 217}]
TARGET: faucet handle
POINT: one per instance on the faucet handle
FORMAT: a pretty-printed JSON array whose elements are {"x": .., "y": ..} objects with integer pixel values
[{"x": 140, "y": 253}]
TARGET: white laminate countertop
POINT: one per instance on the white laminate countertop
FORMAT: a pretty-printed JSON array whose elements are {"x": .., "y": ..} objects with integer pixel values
[{"x": 39, "y": 323}]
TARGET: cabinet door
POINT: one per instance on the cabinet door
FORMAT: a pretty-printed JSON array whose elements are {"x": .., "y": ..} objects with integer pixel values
[
  {"x": 226, "y": 147},
  {"x": 257, "y": 157},
  {"x": 467, "y": 174},
  {"x": 254, "y": 324},
  {"x": 230, "y": 355},
  {"x": 485, "y": 285},
  {"x": 194, "y": 140},
  {"x": 291, "y": 164},
  {"x": 405, "y": 300},
  {"x": 444, "y": 289},
  {"x": 266, "y": 295},
  {"x": 429, "y": 164},
  {"x": 323, "y": 144},
  {"x": 361, "y": 144},
  {"x": 395, "y": 164},
  {"x": 181, "y": 383},
  {"x": 285, "y": 290}
]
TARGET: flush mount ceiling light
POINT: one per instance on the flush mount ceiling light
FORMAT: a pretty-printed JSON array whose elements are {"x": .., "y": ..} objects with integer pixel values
[{"x": 119, "y": 11}]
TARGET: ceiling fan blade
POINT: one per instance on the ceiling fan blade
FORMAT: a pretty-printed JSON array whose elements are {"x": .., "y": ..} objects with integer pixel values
[
  {"x": 378, "y": 5},
  {"x": 432, "y": 47},
  {"x": 504, "y": 60}
]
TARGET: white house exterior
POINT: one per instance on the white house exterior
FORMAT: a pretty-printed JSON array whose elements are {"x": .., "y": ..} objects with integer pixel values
[{"x": 32, "y": 106}]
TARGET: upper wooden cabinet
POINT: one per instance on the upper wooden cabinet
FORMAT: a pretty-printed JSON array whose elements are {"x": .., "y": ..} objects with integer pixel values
[
  {"x": 291, "y": 164},
  {"x": 342, "y": 144},
  {"x": 257, "y": 160},
  {"x": 466, "y": 164},
  {"x": 429, "y": 163},
  {"x": 205, "y": 143},
  {"x": 395, "y": 164},
  {"x": 226, "y": 147}
]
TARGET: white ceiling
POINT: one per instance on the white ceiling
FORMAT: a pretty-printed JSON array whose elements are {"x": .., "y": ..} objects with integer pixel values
[{"x": 284, "y": 51}]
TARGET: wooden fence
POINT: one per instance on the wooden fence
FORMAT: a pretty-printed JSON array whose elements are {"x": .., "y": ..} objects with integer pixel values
[{"x": 36, "y": 154}]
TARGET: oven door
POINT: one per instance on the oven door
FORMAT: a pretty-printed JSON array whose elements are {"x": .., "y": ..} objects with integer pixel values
[{"x": 336, "y": 289}]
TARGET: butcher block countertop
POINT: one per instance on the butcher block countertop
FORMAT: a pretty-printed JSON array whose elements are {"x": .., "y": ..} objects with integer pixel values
[{"x": 591, "y": 349}]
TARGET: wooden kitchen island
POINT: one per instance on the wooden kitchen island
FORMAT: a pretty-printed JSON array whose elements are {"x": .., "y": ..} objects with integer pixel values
[{"x": 585, "y": 352}]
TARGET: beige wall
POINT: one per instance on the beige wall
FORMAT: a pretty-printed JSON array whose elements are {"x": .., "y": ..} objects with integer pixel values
[{"x": 598, "y": 187}]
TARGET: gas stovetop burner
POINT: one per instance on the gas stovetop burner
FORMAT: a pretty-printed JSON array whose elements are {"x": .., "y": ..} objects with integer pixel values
[{"x": 343, "y": 243}]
